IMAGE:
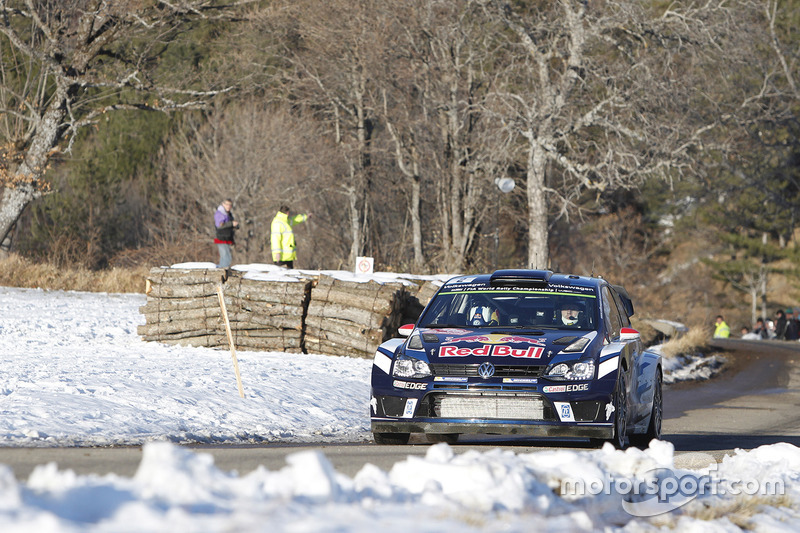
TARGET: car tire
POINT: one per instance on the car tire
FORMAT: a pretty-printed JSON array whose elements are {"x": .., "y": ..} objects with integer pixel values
[
  {"x": 449, "y": 438},
  {"x": 391, "y": 438},
  {"x": 656, "y": 418},
  {"x": 620, "y": 438}
]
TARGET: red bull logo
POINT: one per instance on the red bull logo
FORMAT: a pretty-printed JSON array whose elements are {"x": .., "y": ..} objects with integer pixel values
[
  {"x": 489, "y": 350},
  {"x": 496, "y": 338}
]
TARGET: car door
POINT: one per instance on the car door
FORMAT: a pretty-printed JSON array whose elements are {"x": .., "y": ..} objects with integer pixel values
[
  {"x": 615, "y": 322},
  {"x": 640, "y": 387},
  {"x": 645, "y": 366}
]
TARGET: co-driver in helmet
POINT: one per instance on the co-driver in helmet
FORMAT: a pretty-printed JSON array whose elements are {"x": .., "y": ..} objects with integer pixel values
[
  {"x": 570, "y": 312},
  {"x": 483, "y": 315}
]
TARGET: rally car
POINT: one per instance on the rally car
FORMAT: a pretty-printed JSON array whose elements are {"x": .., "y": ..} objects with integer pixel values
[{"x": 519, "y": 352}]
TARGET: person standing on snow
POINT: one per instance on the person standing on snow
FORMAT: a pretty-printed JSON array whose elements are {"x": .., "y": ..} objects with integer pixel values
[
  {"x": 284, "y": 248},
  {"x": 721, "y": 329},
  {"x": 224, "y": 226}
]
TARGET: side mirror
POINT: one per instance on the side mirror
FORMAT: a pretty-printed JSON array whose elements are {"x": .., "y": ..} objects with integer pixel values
[
  {"x": 629, "y": 334},
  {"x": 405, "y": 330}
]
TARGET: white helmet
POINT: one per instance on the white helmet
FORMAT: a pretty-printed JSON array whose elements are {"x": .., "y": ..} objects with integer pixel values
[
  {"x": 570, "y": 313},
  {"x": 482, "y": 315}
]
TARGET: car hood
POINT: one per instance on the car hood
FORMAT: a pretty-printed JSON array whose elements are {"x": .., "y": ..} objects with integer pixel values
[{"x": 526, "y": 347}]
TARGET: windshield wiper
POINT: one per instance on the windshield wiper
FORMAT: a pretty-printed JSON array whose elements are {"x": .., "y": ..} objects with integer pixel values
[
  {"x": 530, "y": 327},
  {"x": 517, "y": 329}
]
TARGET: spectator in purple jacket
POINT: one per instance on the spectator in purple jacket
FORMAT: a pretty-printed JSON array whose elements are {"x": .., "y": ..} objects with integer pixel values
[{"x": 224, "y": 225}]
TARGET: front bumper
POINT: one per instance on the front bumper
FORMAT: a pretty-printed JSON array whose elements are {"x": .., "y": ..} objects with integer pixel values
[
  {"x": 494, "y": 427},
  {"x": 494, "y": 412}
]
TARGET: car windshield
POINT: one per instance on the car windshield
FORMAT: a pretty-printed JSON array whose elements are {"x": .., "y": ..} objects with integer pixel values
[{"x": 504, "y": 308}]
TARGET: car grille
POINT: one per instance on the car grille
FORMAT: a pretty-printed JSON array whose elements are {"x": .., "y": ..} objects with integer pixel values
[
  {"x": 488, "y": 406},
  {"x": 502, "y": 371}
]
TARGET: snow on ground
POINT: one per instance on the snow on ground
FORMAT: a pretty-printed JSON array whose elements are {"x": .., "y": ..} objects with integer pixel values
[
  {"x": 691, "y": 367},
  {"x": 73, "y": 371}
]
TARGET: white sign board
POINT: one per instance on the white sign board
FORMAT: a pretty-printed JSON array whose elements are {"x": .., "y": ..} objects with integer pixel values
[{"x": 364, "y": 265}]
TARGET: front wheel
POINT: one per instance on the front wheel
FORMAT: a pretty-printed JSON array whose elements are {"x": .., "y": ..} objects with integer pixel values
[
  {"x": 656, "y": 417},
  {"x": 391, "y": 438},
  {"x": 620, "y": 414}
]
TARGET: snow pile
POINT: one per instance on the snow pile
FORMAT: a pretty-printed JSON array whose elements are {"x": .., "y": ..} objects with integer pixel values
[
  {"x": 73, "y": 371},
  {"x": 269, "y": 272},
  {"x": 689, "y": 367},
  {"x": 178, "y": 490}
]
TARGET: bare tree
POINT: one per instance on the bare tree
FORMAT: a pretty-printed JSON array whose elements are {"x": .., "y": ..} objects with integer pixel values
[
  {"x": 407, "y": 156},
  {"x": 438, "y": 75},
  {"x": 769, "y": 163},
  {"x": 260, "y": 156},
  {"x": 331, "y": 50},
  {"x": 606, "y": 95},
  {"x": 67, "y": 62},
  {"x": 785, "y": 53}
]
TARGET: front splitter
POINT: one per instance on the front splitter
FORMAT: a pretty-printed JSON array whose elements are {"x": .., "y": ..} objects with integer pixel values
[{"x": 593, "y": 431}]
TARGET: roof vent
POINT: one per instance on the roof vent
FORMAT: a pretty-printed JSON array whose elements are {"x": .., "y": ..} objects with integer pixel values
[{"x": 525, "y": 278}]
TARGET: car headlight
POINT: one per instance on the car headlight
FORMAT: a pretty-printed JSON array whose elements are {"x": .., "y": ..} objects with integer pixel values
[
  {"x": 410, "y": 367},
  {"x": 579, "y": 370},
  {"x": 578, "y": 346}
]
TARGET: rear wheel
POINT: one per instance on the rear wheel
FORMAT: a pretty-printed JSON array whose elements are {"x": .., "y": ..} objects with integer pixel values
[
  {"x": 391, "y": 438},
  {"x": 656, "y": 417}
]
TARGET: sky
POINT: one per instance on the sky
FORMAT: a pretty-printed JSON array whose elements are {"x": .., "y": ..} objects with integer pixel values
[{"x": 74, "y": 372}]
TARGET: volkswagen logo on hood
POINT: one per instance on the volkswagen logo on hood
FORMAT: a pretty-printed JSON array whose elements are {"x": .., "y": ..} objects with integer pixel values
[{"x": 486, "y": 370}]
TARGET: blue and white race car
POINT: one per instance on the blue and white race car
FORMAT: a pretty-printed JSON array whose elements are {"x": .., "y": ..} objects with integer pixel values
[{"x": 519, "y": 352}]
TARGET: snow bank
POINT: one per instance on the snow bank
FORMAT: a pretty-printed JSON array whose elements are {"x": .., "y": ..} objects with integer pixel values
[{"x": 178, "y": 490}]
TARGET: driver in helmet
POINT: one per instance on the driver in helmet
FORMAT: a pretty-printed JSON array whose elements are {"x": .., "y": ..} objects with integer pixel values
[
  {"x": 570, "y": 313},
  {"x": 483, "y": 315}
]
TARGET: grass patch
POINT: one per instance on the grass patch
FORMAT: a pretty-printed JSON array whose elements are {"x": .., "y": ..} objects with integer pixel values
[
  {"x": 16, "y": 271},
  {"x": 694, "y": 341},
  {"x": 739, "y": 511}
]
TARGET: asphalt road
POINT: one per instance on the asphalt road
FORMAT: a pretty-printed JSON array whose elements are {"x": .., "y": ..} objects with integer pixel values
[{"x": 755, "y": 401}]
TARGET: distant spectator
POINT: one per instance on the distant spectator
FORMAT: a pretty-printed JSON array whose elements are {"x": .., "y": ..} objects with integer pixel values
[
  {"x": 761, "y": 329},
  {"x": 792, "y": 327},
  {"x": 284, "y": 247},
  {"x": 721, "y": 329},
  {"x": 224, "y": 226},
  {"x": 780, "y": 324},
  {"x": 749, "y": 335}
]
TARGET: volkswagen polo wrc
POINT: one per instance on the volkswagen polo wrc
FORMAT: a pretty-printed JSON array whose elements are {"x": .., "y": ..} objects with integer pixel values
[{"x": 519, "y": 352}]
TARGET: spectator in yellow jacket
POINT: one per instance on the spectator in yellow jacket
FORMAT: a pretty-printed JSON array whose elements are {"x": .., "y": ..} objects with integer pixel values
[
  {"x": 721, "y": 329},
  {"x": 284, "y": 248}
]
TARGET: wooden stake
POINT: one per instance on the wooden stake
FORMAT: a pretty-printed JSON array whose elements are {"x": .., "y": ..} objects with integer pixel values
[{"x": 230, "y": 339}]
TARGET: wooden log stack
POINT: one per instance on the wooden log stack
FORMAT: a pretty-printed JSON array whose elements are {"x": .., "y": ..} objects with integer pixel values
[
  {"x": 183, "y": 308},
  {"x": 267, "y": 315},
  {"x": 419, "y": 295},
  {"x": 351, "y": 317},
  {"x": 311, "y": 314}
]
